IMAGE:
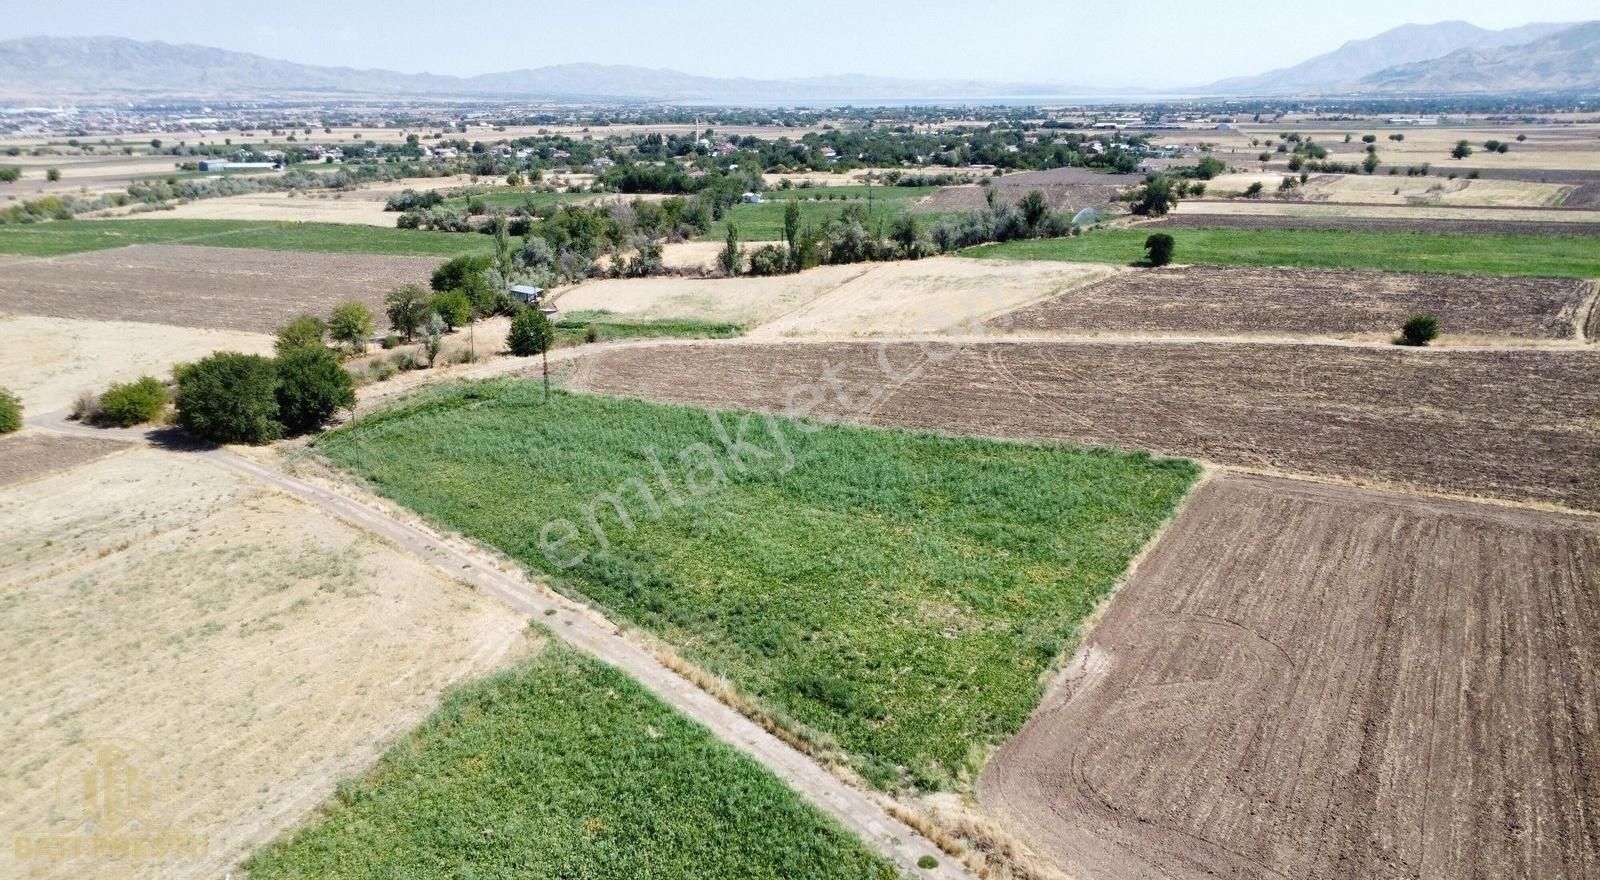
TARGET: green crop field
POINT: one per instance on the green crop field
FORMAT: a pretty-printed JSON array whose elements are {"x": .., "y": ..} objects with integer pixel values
[
  {"x": 74, "y": 236},
  {"x": 898, "y": 595},
  {"x": 563, "y": 767},
  {"x": 818, "y": 205},
  {"x": 1509, "y": 254},
  {"x": 574, "y": 327}
]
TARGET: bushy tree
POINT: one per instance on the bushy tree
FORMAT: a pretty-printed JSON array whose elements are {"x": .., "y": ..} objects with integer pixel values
[
  {"x": 1253, "y": 191},
  {"x": 1033, "y": 206},
  {"x": 454, "y": 273},
  {"x": 408, "y": 307},
  {"x": 769, "y": 259},
  {"x": 1158, "y": 249},
  {"x": 10, "y": 412},
  {"x": 312, "y": 387},
  {"x": 125, "y": 404},
  {"x": 531, "y": 334},
  {"x": 454, "y": 308},
  {"x": 1462, "y": 150},
  {"x": 730, "y": 260},
  {"x": 351, "y": 325},
  {"x": 52, "y": 174},
  {"x": 1419, "y": 330},
  {"x": 304, "y": 331},
  {"x": 230, "y": 397},
  {"x": 1156, "y": 197},
  {"x": 433, "y": 338},
  {"x": 1209, "y": 167},
  {"x": 1370, "y": 164}
]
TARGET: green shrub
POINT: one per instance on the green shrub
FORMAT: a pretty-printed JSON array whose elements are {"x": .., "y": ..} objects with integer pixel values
[
  {"x": 1419, "y": 330},
  {"x": 351, "y": 325},
  {"x": 408, "y": 307},
  {"x": 10, "y": 412},
  {"x": 312, "y": 386},
  {"x": 530, "y": 334},
  {"x": 390, "y": 342},
  {"x": 927, "y": 863},
  {"x": 305, "y": 331},
  {"x": 132, "y": 403},
  {"x": 453, "y": 307},
  {"x": 230, "y": 398},
  {"x": 1158, "y": 249}
]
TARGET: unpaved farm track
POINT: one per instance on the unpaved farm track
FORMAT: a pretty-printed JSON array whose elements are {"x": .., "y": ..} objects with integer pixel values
[
  {"x": 223, "y": 288},
  {"x": 1200, "y": 300},
  {"x": 1311, "y": 681},
  {"x": 1515, "y": 424}
]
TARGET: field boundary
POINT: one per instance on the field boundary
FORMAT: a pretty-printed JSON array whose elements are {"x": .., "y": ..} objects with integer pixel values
[{"x": 1587, "y": 322}]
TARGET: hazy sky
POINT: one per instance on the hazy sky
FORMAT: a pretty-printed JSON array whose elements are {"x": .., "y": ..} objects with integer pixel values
[{"x": 1156, "y": 43}]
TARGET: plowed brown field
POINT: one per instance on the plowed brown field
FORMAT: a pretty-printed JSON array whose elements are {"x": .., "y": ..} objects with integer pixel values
[
  {"x": 1198, "y": 300},
  {"x": 224, "y": 288},
  {"x": 1312, "y": 681},
  {"x": 1520, "y": 424}
]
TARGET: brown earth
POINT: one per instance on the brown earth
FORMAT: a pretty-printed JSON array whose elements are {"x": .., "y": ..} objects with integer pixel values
[
  {"x": 226, "y": 288},
  {"x": 1066, "y": 189},
  {"x": 1375, "y": 224},
  {"x": 1513, "y": 423},
  {"x": 27, "y": 455},
  {"x": 1197, "y": 299},
  {"x": 1313, "y": 681}
]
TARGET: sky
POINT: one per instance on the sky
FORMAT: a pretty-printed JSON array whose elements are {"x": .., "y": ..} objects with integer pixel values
[{"x": 1152, "y": 44}]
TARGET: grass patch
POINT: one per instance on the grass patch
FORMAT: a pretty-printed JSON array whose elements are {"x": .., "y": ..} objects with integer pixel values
[
  {"x": 75, "y": 236},
  {"x": 818, "y": 205},
  {"x": 900, "y": 593},
  {"x": 1540, "y": 255},
  {"x": 574, "y": 328},
  {"x": 564, "y": 767}
]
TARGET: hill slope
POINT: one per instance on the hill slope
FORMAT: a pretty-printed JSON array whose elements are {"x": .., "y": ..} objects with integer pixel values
[{"x": 1564, "y": 61}]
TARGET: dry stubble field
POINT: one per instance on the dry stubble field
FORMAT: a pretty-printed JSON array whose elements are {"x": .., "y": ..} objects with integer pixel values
[
  {"x": 1516, "y": 424},
  {"x": 223, "y": 288},
  {"x": 253, "y": 649},
  {"x": 1315, "y": 681},
  {"x": 1298, "y": 301}
]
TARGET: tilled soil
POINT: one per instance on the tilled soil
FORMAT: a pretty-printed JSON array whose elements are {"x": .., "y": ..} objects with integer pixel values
[
  {"x": 1066, "y": 189},
  {"x": 1199, "y": 300},
  {"x": 1376, "y": 224},
  {"x": 1517, "y": 424},
  {"x": 224, "y": 288},
  {"x": 28, "y": 455},
  {"x": 1308, "y": 681}
]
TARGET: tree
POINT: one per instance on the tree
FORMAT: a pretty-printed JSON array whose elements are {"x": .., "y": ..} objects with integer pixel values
[
  {"x": 312, "y": 387},
  {"x": 1156, "y": 198},
  {"x": 1209, "y": 167},
  {"x": 1158, "y": 249},
  {"x": 770, "y": 259},
  {"x": 351, "y": 325},
  {"x": 1034, "y": 208},
  {"x": 1369, "y": 138},
  {"x": 531, "y": 334},
  {"x": 10, "y": 412},
  {"x": 407, "y": 307},
  {"x": 730, "y": 259},
  {"x": 125, "y": 404},
  {"x": 230, "y": 398},
  {"x": 52, "y": 174},
  {"x": 1253, "y": 191},
  {"x": 1462, "y": 150},
  {"x": 453, "y": 273},
  {"x": 454, "y": 308},
  {"x": 303, "y": 331},
  {"x": 10, "y": 174},
  {"x": 1370, "y": 164},
  {"x": 791, "y": 225},
  {"x": 433, "y": 338},
  {"x": 1419, "y": 330}
]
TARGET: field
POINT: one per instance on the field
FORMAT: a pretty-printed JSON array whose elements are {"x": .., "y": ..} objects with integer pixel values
[
  {"x": 1503, "y": 254},
  {"x": 872, "y": 299},
  {"x": 49, "y": 361},
  {"x": 818, "y": 205},
  {"x": 563, "y": 767},
  {"x": 1563, "y": 147},
  {"x": 1313, "y": 681},
  {"x": 30, "y": 454},
  {"x": 359, "y": 207},
  {"x": 285, "y": 656},
  {"x": 1488, "y": 220},
  {"x": 74, "y": 236},
  {"x": 849, "y": 580},
  {"x": 1066, "y": 189},
  {"x": 1386, "y": 221},
  {"x": 574, "y": 328},
  {"x": 222, "y": 288},
  {"x": 1387, "y": 189},
  {"x": 1200, "y": 300},
  {"x": 1519, "y": 424}
]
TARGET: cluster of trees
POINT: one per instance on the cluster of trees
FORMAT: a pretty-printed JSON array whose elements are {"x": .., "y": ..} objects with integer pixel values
[
  {"x": 1160, "y": 193},
  {"x": 230, "y": 397}
]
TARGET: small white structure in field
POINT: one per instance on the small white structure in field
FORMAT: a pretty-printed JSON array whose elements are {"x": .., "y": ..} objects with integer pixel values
[
  {"x": 752, "y": 198},
  {"x": 527, "y": 294}
]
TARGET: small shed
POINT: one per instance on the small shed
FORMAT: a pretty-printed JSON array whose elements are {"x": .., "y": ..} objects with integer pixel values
[
  {"x": 752, "y": 198},
  {"x": 527, "y": 293}
]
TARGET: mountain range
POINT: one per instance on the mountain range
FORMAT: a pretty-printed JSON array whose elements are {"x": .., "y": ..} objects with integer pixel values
[{"x": 1443, "y": 58}]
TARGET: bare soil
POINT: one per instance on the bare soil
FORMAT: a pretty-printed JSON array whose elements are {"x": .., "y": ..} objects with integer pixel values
[
  {"x": 1316, "y": 681},
  {"x": 30, "y": 454},
  {"x": 1208, "y": 300},
  {"x": 1519, "y": 424},
  {"x": 1066, "y": 189},
  {"x": 225, "y": 288}
]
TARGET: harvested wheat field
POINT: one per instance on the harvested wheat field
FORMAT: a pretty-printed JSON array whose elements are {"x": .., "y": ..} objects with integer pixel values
[
  {"x": 50, "y": 361},
  {"x": 1066, "y": 189},
  {"x": 242, "y": 650},
  {"x": 873, "y": 299},
  {"x": 1198, "y": 300},
  {"x": 33, "y": 454},
  {"x": 222, "y": 288},
  {"x": 1512, "y": 423},
  {"x": 1314, "y": 681},
  {"x": 361, "y": 207}
]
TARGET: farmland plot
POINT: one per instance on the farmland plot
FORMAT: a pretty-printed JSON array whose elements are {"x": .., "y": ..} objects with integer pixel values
[
  {"x": 1207, "y": 300},
  {"x": 223, "y": 288},
  {"x": 1314, "y": 681},
  {"x": 1521, "y": 424}
]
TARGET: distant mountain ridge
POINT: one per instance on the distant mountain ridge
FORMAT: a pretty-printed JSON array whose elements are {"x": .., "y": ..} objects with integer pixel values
[
  {"x": 109, "y": 65},
  {"x": 1358, "y": 59},
  {"x": 1568, "y": 60}
]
